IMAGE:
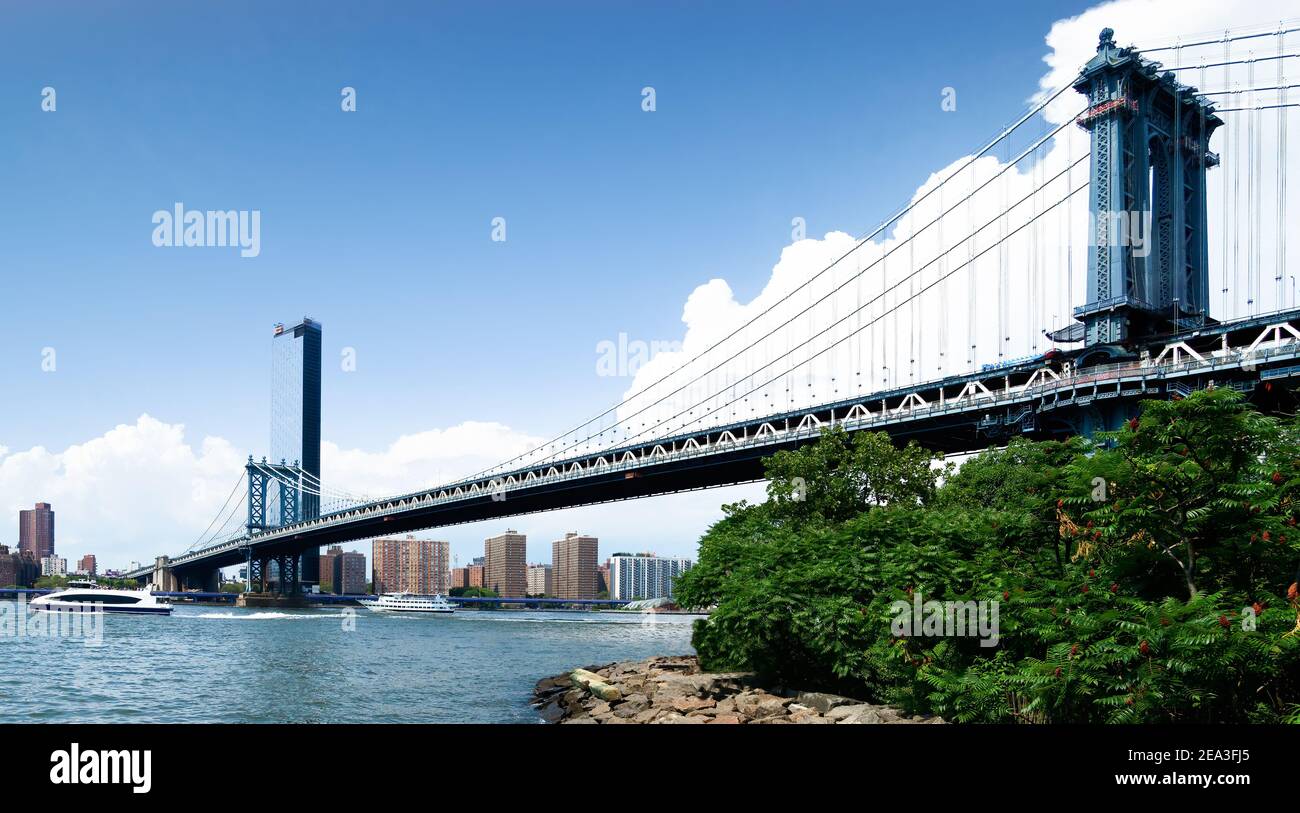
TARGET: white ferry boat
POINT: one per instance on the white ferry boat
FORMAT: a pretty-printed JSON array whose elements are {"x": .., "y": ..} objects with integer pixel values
[
  {"x": 89, "y": 597},
  {"x": 409, "y": 603}
]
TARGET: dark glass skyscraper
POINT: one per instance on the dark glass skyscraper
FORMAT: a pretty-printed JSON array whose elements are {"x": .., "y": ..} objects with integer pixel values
[{"x": 295, "y": 414}]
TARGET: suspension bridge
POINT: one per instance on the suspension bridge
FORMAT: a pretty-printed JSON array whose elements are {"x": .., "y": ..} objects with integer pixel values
[{"x": 1115, "y": 243}]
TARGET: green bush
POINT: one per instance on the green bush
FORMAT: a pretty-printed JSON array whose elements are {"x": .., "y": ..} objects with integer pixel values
[{"x": 1126, "y": 570}]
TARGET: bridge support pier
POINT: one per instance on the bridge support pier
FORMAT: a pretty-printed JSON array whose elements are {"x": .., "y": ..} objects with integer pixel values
[
  {"x": 163, "y": 578},
  {"x": 266, "y": 589}
]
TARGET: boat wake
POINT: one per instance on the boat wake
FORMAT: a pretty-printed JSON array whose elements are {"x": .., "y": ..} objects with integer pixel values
[{"x": 273, "y": 615}]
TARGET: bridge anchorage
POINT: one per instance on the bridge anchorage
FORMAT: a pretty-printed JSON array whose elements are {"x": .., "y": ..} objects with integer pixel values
[{"x": 1145, "y": 331}]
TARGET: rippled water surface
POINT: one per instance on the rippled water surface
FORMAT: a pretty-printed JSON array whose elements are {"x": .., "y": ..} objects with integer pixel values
[{"x": 221, "y": 664}]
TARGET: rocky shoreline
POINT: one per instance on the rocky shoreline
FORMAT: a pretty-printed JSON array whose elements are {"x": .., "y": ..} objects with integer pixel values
[{"x": 673, "y": 690}]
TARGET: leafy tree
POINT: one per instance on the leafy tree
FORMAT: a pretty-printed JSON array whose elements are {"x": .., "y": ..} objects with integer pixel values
[
  {"x": 473, "y": 592},
  {"x": 1148, "y": 575},
  {"x": 1201, "y": 490},
  {"x": 840, "y": 476}
]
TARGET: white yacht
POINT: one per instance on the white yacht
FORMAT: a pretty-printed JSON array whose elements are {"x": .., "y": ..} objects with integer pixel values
[
  {"x": 409, "y": 603},
  {"x": 89, "y": 597}
]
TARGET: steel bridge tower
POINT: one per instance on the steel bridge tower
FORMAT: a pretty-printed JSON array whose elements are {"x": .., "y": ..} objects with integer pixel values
[
  {"x": 1147, "y": 250},
  {"x": 283, "y": 483}
]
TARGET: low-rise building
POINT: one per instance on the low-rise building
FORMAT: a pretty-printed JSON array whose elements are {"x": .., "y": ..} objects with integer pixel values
[
  {"x": 54, "y": 566},
  {"x": 18, "y": 568}
]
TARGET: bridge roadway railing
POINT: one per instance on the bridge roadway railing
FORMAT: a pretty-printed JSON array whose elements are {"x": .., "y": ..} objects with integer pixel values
[{"x": 858, "y": 415}]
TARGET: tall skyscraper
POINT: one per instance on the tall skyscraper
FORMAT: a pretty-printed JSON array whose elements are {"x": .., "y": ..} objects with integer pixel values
[
  {"x": 36, "y": 531},
  {"x": 644, "y": 575},
  {"x": 573, "y": 562},
  {"x": 505, "y": 568},
  {"x": 410, "y": 565},
  {"x": 296, "y": 415}
]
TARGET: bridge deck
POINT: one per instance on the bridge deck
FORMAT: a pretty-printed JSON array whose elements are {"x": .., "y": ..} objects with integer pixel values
[{"x": 957, "y": 414}]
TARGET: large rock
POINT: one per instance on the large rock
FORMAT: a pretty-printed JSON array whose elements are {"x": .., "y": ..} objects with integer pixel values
[
  {"x": 675, "y": 664},
  {"x": 632, "y": 705},
  {"x": 688, "y": 704},
  {"x": 551, "y": 684},
  {"x": 670, "y": 686},
  {"x": 672, "y": 718},
  {"x": 724, "y": 719},
  {"x": 860, "y": 714},
  {"x": 552, "y": 711},
  {"x": 823, "y": 702},
  {"x": 573, "y": 699},
  {"x": 647, "y": 716},
  {"x": 759, "y": 705},
  {"x": 808, "y": 717}
]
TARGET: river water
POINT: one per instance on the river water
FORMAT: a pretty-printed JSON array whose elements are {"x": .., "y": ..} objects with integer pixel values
[{"x": 223, "y": 664}]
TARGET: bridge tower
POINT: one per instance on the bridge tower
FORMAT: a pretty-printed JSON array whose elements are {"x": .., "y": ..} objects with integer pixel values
[
  {"x": 1147, "y": 263},
  {"x": 270, "y": 483}
]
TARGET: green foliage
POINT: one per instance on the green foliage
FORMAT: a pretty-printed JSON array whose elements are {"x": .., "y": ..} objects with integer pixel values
[
  {"x": 473, "y": 592},
  {"x": 1199, "y": 495},
  {"x": 835, "y": 479},
  {"x": 1127, "y": 571}
]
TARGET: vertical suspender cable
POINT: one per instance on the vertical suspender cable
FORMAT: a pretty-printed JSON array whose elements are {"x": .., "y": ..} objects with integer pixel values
[
  {"x": 1282, "y": 112},
  {"x": 1229, "y": 292},
  {"x": 970, "y": 271},
  {"x": 943, "y": 294},
  {"x": 1252, "y": 186}
]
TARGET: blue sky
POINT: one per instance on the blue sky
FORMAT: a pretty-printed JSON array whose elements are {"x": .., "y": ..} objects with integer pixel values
[{"x": 377, "y": 223}]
